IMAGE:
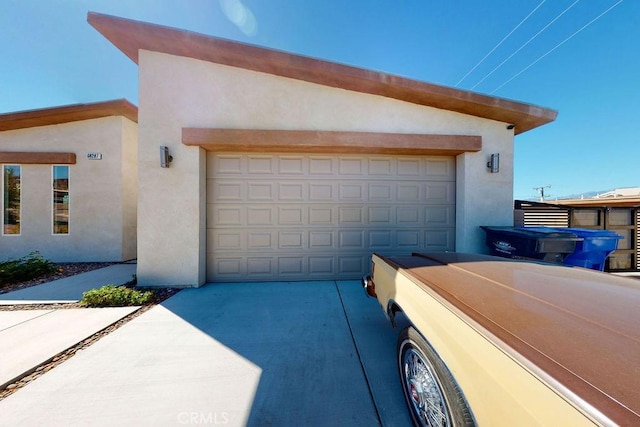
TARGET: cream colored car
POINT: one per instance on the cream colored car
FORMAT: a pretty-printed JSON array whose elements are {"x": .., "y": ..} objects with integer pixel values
[{"x": 496, "y": 342}]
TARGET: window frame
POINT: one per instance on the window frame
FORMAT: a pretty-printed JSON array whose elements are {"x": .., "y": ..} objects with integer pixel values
[
  {"x": 2, "y": 202},
  {"x": 53, "y": 201}
]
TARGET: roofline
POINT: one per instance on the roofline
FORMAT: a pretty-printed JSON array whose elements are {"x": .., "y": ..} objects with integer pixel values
[
  {"x": 620, "y": 201},
  {"x": 67, "y": 114},
  {"x": 132, "y": 36}
]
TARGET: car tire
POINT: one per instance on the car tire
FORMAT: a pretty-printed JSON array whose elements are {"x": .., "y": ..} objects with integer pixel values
[{"x": 432, "y": 395}]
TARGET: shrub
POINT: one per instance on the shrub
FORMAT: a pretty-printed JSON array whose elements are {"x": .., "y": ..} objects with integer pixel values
[
  {"x": 116, "y": 296},
  {"x": 25, "y": 268}
]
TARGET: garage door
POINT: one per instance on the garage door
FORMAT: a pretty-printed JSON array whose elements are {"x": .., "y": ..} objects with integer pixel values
[{"x": 289, "y": 217}]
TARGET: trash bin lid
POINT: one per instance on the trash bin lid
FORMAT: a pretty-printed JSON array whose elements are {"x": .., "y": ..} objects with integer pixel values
[
  {"x": 589, "y": 233},
  {"x": 533, "y": 232}
]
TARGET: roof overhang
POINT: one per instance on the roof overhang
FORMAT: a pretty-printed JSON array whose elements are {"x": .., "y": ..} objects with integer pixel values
[
  {"x": 67, "y": 114},
  {"x": 618, "y": 202},
  {"x": 132, "y": 36},
  {"x": 599, "y": 202}
]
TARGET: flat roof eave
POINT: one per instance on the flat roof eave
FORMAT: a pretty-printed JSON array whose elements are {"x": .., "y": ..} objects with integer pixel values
[
  {"x": 67, "y": 114},
  {"x": 132, "y": 36}
]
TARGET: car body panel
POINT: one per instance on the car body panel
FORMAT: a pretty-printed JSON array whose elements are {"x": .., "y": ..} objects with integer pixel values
[{"x": 525, "y": 341}]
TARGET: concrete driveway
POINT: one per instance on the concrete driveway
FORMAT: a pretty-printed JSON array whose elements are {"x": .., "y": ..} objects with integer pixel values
[{"x": 282, "y": 354}]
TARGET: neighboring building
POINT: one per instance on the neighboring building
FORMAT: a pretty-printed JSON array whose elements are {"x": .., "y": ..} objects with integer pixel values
[
  {"x": 69, "y": 182},
  {"x": 287, "y": 167},
  {"x": 620, "y": 192},
  {"x": 617, "y": 211}
]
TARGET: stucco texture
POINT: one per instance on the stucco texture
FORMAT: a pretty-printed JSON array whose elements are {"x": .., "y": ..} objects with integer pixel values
[
  {"x": 102, "y": 208},
  {"x": 178, "y": 92}
]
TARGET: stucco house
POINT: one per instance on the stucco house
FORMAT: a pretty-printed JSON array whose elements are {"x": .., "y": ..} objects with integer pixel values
[
  {"x": 286, "y": 167},
  {"x": 69, "y": 182}
]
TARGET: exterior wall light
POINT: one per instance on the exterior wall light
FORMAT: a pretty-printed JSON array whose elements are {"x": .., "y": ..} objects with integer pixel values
[
  {"x": 509, "y": 127},
  {"x": 494, "y": 163},
  {"x": 165, "y": 157}
]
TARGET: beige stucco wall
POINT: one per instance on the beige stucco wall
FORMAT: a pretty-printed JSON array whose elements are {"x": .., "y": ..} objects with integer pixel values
[
  {"x": 177, "y": 92},
  {"x": 102, "y": 192},
  {"x": 129, "y": 189}
]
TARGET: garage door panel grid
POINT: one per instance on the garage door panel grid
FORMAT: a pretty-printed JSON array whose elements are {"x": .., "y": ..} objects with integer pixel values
[{"x": 274, "y": 217}]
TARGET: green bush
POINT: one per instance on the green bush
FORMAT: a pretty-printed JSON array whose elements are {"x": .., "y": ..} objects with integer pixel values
[
  {"x": 116, "y": 296},
  {"x": 25, "y": 268}
]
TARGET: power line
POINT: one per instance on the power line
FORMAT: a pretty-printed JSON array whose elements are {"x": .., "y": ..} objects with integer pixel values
[
  {"x": 558, "y": 45},
  {"x": 527, "y": 42},
  {"x": 540, "y": 191},
  {"x": 501, "y": 41}
]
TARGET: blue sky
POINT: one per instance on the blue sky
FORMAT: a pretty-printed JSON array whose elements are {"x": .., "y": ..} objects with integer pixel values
[{"x": 561, "y": 54}]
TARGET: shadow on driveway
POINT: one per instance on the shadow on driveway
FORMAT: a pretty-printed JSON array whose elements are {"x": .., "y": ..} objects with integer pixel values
[
  {"x": 282, "y": 354},
  {"x": 301, "y": 338}
]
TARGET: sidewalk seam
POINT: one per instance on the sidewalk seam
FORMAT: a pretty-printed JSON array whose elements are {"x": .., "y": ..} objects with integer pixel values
[
  {"x": 28, "y": 320},
  {"x": 355, "y": 346},
  {"x": 68, "y": 352}
]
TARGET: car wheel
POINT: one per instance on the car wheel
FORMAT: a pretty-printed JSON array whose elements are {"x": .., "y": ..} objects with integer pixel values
[{"x": 431, "y": 393}]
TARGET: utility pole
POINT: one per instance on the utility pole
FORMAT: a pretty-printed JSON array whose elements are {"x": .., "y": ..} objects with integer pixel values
[{"x": 540, "y": 191}]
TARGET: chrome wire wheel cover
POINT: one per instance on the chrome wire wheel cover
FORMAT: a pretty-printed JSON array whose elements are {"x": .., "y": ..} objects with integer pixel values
[{"x": 423, "y": 390}]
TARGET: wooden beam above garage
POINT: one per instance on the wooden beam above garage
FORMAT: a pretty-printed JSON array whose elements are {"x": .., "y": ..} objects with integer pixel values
[
  {"x": 306, "y": 141},
  {"x": 40, "y": 158}
]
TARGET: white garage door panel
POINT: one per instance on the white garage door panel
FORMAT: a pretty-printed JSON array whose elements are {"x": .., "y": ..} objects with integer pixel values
[{"x": 289, "y": 217}]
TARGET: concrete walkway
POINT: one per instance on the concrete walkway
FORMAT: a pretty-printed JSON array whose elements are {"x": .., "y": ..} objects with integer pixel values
[
  {"x": 70, "y": 289},
  {"x": 312, "y": 354},
  {"x": 32, "y": 337},
  {"x": 29, "y": 338}
]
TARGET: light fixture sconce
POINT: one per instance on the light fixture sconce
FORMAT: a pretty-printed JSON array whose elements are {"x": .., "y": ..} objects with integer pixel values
[
  {"x": 165, "y": 157},
  {"x": 494, "y": 163},
  {"x": 510, "y": 126}
]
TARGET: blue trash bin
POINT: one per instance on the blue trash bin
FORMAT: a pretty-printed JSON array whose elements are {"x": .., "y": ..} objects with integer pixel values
[
  {"x": 539, "y": 243},
  {"x": 594, "y": 248}
]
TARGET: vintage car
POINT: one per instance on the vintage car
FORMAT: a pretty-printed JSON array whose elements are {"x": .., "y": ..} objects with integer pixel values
[{"x": 492, "y": 341}]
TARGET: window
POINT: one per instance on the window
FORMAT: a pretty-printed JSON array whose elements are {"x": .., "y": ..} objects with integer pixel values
[
  {"x": 61, "y": 200},
  {"x": 11, "y": 199}
]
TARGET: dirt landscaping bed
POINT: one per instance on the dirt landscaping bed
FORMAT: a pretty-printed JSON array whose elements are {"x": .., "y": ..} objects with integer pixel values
[{"x": 61, "y": 271}]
